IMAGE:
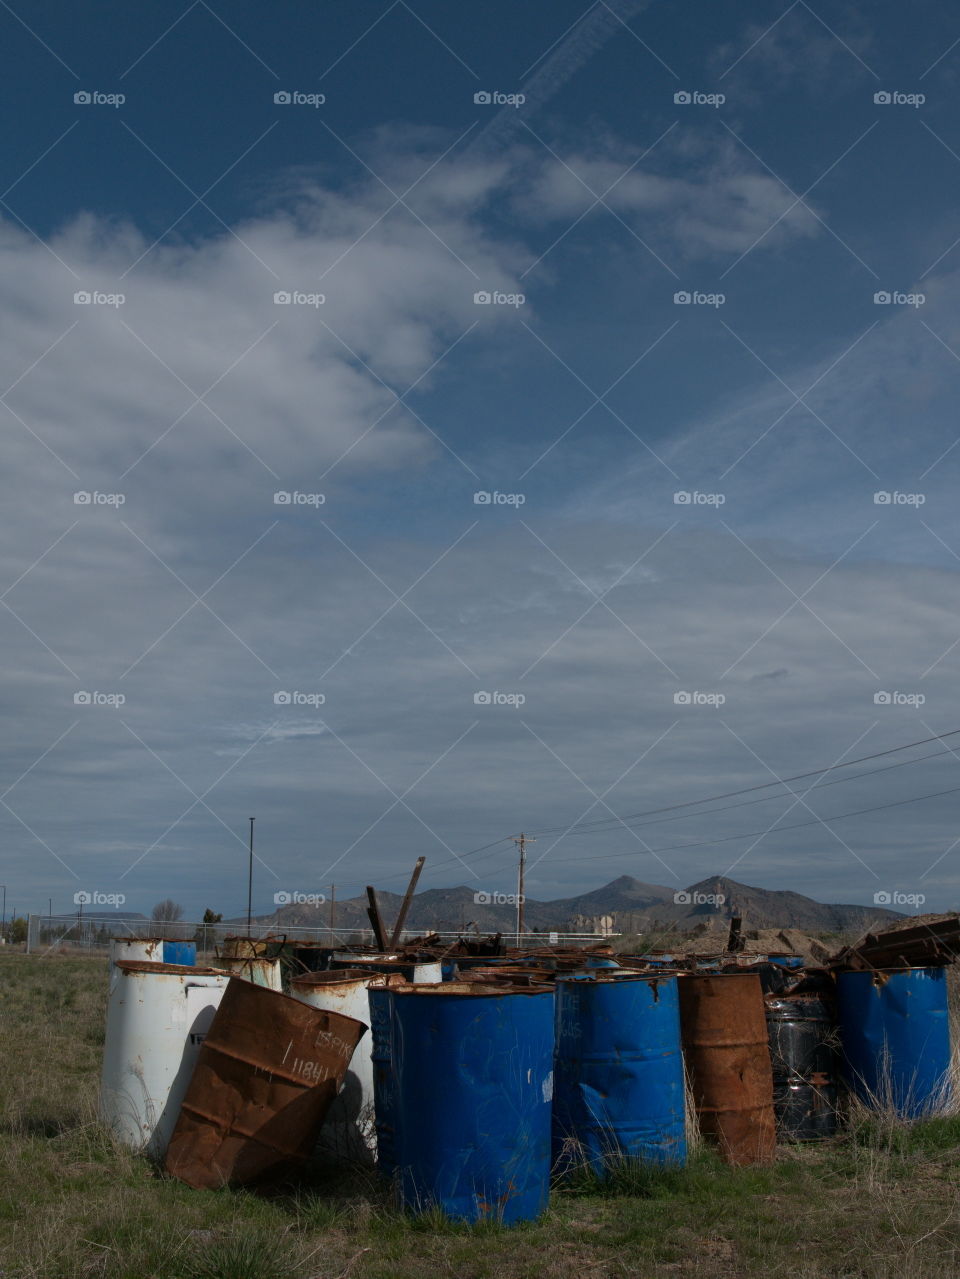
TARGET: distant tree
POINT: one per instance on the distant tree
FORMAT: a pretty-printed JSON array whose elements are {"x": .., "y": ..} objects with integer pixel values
[
  {"x": 18, "y": 930},
  {"x": 210, "y": 918},
  {"x": 166, "y": 912}
]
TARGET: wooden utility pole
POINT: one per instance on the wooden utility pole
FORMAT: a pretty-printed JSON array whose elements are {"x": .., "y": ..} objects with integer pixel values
[
  {"x": 521, "y": 841},
  {"x": 405, "y": 905}
]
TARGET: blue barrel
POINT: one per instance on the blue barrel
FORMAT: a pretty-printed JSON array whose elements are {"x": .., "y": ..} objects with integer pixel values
[
  {"x": 180, "y": 952},
  {"x": 619, "y": 1090},
  {"x": 601, "y": 961},
  {"x": 463, "y": 1081},
  {"x": 895, "y": 1033}
]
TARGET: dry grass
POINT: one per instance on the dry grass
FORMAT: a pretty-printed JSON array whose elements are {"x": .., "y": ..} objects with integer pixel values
[{"x": 882, "y": 1202}]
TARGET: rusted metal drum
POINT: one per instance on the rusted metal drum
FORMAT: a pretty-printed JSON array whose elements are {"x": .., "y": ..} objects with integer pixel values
[
  {"x": 724, "y": 1032},
  {"x": 349, "y": 1131},
  {"x": 262, "y": 972},
  {"x": 267, "y": 1072}
]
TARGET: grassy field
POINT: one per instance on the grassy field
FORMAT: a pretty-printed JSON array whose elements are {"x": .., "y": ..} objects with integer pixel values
[{"x": 883, "y": 1202}]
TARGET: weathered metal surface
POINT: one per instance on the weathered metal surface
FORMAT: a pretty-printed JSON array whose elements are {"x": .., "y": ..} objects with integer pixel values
[
  {"x": 349, "y": 1130},
  {"x": 895, "y": 1034},
  {"x": 410, "y": 970},
  {"x": 157, "y": 1016},
  {"x": 309, "y": 957},
  {"x": 802, "y": 1031},
  {"x": 180, "y": 951},
  {"x": 724, "y": 1034},
  {"x": 925, "y": 946},
  {"x": 261, "y": 971},
  {"x": 806, "y": 1109},
  {"x": 146, "y": 949},
  {"x": 463, "y": 1077},
  {"x": 245, "y": 947},
  {"x": 619, "y": 1088},
  {"x": 267, "y": 1072}
]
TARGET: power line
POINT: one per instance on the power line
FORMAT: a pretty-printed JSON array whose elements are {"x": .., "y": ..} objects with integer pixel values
[
  {"x": 775, "y": 830},
  {"x": 603, "y": 825},
  {"x": 746, "y": 790}
]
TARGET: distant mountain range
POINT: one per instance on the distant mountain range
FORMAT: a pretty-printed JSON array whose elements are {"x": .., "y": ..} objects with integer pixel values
[{"x": 625, "y": 905}]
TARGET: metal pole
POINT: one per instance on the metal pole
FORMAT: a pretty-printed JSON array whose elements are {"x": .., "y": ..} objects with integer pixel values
[
  {"x": 521, "y": 842},
  {"x": 250, "y": 880},
  {"x": 3, "y": 925},
  {"x": 333, "y": 910}
]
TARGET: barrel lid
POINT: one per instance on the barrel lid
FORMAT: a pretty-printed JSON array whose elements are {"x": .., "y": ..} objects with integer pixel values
[
  {"x": 468, "y": 989},
  {"x": 182, "y": 970}
]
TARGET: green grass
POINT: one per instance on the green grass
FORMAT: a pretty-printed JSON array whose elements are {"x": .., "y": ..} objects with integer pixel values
[{"x": 881, "y": 1202}]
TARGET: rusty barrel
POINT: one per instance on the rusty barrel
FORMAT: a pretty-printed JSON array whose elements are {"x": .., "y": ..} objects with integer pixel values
[
  {"x": 266, "y": 1075},
  {"x": 724, "y": 1030}
]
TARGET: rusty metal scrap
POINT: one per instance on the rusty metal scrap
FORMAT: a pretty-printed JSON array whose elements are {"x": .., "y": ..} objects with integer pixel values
[
  {"x": 266, "y": 1075},
  {"x": 928, "y": 945}
]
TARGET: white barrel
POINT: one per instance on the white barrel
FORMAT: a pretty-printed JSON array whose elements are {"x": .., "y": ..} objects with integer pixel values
[
  {"x": 349, "y": 1131},
  {"x": 262, "y": 972},
  {"x": 157, "y": 1018},
  {"x": 148, "y": 949}
]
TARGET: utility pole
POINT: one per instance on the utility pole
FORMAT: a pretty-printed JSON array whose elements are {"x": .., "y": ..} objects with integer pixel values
[
  {"x": 521, "y": 841},
  {"x": 333, "y": 910},
  {"x": 250, "y": 879},
  {"x": 3, "y": 924}
]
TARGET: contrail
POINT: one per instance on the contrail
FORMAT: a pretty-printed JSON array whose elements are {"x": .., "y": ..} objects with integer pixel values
[{"x": 591, "y": 33}]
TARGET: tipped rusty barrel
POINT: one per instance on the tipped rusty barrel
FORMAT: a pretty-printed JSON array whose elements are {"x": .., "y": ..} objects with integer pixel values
[
  {"x": 724, "y": 1030},
  {"x": 266, "y": 1075}
]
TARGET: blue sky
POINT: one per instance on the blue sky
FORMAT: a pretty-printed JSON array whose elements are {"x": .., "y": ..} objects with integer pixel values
[{"x": 785, "y": 198}]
